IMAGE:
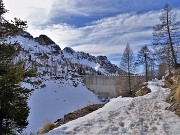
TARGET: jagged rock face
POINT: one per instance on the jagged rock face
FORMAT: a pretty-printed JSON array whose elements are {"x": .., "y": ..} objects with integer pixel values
[
  {"x": 26, "y": 35},
  {"x": 44, "y": 40},
  {"x": 100, "y": 63},
  {"x": 105, "y": 63},
  {"x": 56, "y": 49},
  {"x": 68, "y": 50},
  {"x": 89, "y": 64}
]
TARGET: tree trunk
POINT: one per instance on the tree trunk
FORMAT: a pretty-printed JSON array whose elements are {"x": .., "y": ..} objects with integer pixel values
[
  {"x": 146, "y": 67},
  {"x": 129, "y": 78},
  {"x": 171, "y": 43},
  {"x": 172, "y": 49},
  {"x": 1, "y": 120}
]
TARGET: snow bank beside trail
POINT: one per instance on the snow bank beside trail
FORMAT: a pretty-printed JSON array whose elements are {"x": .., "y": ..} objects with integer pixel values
[{"x": 144, "y": 115}]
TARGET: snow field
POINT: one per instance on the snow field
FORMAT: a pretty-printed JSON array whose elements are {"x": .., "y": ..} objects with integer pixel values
[{"x": 54, "y": 101}]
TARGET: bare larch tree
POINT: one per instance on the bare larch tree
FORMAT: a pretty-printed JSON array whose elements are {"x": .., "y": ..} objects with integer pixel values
[
  {"x": 127, "y": 64},
  {"x": 145, "y": 58},
  {"x": 166, "y": 37}
]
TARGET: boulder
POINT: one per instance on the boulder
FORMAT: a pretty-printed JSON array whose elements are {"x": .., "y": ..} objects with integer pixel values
[{"x": 143, "y": 91}]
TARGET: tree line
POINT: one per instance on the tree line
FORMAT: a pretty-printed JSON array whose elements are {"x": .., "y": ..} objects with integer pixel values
[{"x": 166, "y": 48}]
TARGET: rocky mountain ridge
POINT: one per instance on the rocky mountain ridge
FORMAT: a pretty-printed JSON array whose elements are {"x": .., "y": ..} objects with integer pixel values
[{"x": 66, "y": 65}]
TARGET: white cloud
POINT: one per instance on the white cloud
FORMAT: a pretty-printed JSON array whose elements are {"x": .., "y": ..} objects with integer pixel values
[
  {"x": 106, "y": 36},
  {"x": 34, "y": 11},
  {"x": 84, "y": 7},
  {"x": 62, "y": 34},
  {"x": 38, "y": 12}
]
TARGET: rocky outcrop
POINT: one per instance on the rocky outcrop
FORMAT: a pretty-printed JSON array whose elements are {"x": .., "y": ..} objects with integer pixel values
[
  {"x": 102, "y": 61},
  {"x": 26, "y": 35},
  {"x": 68, "y": 50},
  {"x": 143, "y": 91},
  {"x": 44, "y": 40},
  {"x": 106, "y": 64}
]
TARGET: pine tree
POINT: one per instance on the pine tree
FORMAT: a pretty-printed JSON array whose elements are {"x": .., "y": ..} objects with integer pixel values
[
  {"x": 127, "y": 64},
  {"x": 145, "y": 58},
  {"x": 13, "y": 97},
  {"x": 166, "y": 37}
]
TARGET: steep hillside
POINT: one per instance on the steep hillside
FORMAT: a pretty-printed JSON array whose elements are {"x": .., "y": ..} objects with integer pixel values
[
  {"x": 48, "y": 58},
  {"x": 173, "y": 82}
]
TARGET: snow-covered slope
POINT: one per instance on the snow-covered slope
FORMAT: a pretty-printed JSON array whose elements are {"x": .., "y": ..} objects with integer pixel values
[
  {"x": 99, "y": 63},
  {"x": 42, "y": 53},
  {"x": 62, "y": 88},
  {"x": 53, "y": 102},
  {"x": 144, "y": 115}
]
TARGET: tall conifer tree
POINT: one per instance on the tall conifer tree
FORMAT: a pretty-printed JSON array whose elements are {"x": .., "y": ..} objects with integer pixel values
[{"x": 13, "y": 97}]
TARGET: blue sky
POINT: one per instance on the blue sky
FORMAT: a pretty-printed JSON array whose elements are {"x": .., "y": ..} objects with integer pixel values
[{"x": 98, "y": 27}]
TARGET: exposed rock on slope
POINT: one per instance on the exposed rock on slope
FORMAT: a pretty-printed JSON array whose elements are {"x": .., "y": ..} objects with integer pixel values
[
  {"x": 99, "y": 63},
  {"x": 44, "y": 40},
  {"x": 143, "y": 91}
]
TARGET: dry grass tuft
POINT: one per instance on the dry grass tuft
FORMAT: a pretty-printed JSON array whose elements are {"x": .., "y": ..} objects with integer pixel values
[
  {"x": 47, "y": 127},
  {"x": 170, "y": 98},
  {"x": 173, "y": 98},
  {"x": 177, "y": 112},
  {"x": 177, "y": 94},
  {"x": 166, "y": 84},
  {"x": 79, "y": 113}
]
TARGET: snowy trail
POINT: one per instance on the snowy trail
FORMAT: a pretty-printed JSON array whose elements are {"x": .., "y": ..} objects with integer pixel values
[{"x": 144, "y": 115}]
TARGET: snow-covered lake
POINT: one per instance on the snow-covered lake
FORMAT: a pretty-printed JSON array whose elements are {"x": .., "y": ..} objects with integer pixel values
[{"x": 53, "y": 102}]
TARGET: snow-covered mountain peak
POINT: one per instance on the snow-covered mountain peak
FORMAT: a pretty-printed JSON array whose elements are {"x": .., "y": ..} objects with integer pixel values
[{"x": 53, "y": 63}]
